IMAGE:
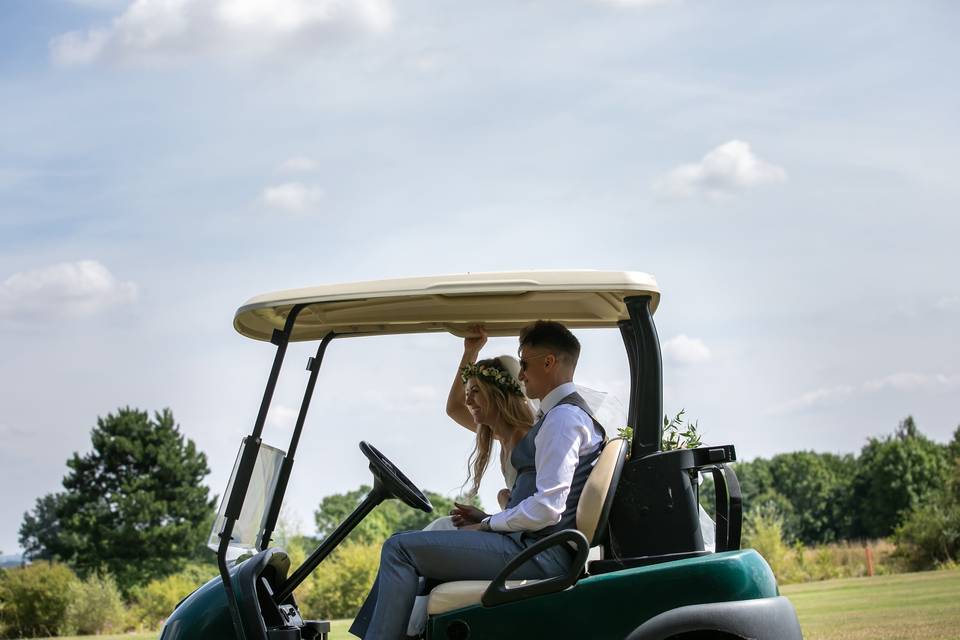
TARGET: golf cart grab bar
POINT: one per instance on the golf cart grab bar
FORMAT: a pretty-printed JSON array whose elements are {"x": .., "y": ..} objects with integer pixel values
[
  {"x": 729, "y": 507},
  {"x": 498, "y": 593}
]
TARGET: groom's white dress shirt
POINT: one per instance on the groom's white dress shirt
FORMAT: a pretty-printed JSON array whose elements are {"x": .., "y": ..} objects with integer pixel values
[{"x": 566, "y": 434}]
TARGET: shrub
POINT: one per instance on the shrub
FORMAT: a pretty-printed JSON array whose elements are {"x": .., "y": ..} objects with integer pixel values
[
  {"x": 764, "y": 533},
  {"x": 835, "y": 560},
  {"x": 96, "y": 607},
  {"x": 341, "y": 584},
  {"x": 155, "y": 601},
  {"x": 36, "y": 599},
  {"x": 929, "y": 535},
  {"x": 849, "y": 560},
  {"x": 298, "y": 548}
]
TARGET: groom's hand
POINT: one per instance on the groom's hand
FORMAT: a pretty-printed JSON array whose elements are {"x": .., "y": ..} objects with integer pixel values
[{"x": 464, "y": 515}]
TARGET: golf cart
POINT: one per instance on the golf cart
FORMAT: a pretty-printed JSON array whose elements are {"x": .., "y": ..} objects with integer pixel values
[{"x": 653, "y": 580}]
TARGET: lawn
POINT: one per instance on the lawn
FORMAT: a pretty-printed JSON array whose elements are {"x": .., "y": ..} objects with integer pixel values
[
  {"x": 338, "y": 631},
  {"x": 896, "y": 607},
  {"x": 911, "y": 606}
]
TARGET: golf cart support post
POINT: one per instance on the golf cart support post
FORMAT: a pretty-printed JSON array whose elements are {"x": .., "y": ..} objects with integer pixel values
[
  {"x": 248, "y": 458},
  {"x": 646, "y": 375}
]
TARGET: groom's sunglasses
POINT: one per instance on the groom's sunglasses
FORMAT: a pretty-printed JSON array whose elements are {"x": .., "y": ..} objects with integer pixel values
[{"x": 524, "y": 363}]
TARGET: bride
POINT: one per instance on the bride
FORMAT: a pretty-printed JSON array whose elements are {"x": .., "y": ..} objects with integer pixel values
[{"x": 487, "y": 398}]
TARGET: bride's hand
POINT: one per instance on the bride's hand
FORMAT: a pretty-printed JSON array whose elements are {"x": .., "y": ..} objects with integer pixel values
[
  {"x": 503, "y": 498},
  {"x": 473, "y": 344},
  {"x": 466, "y": 514}
]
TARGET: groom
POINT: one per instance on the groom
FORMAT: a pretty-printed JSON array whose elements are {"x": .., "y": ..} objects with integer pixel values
[{"x": 553, "y": 461}]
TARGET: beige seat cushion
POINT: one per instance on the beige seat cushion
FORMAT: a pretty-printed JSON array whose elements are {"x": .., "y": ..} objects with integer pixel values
[
  {"x": 463, "y": 593},
  {"x": 596, "y": 489}
]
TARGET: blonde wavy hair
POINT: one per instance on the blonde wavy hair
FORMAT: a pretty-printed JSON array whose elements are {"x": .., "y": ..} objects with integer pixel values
[{"x": 514, "y": 410}]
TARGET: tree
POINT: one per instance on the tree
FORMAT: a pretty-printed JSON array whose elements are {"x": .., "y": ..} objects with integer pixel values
[
  {"x": 817, "y": 487},
  {"x": 953, "y": 447},
  {"x": 895, "y": 474},
  {"x": 135, "y": 505},
  {"x": 42, "y": 538},
  {"x": 809, "y": 491},
  {"x": 930, "y": 532}
]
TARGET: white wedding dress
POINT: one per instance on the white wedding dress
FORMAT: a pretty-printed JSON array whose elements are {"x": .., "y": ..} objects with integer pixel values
[{"x": 509, "y": 477}]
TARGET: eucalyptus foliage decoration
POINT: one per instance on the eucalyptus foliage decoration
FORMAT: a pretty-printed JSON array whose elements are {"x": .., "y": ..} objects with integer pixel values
[{"x": 678, "y": 433}]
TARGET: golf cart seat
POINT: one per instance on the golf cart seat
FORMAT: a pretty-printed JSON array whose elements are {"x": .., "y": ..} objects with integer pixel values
[{"x": 592, "y": 512}]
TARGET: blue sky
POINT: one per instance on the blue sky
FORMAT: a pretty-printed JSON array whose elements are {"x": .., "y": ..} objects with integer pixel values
[{"x": 786, "y": 171}]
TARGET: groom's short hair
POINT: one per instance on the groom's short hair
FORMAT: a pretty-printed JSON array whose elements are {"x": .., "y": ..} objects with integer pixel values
[{"x": 553, "y": 336}]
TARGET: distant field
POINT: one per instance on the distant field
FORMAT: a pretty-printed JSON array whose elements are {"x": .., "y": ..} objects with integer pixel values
[{"x": 909, "y": 606}]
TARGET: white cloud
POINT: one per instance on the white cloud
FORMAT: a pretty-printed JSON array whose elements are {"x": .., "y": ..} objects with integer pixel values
[
  {"x": 12, "y": 177},
  {"x": 817, "y": 397},
  {"x": 282, "y": 417},
  {"x": 430, "y": 61},
  {"x": 402, "y": 399},
  {"x": 294, "y": 197},
  {"x": 949, "y": 303},
  {"x": 907, "y": 381},
  {"x": 686, "y": 350},
  {"x": 724, "y": 171},
  {"x": 424, "y": 392},
  {"x": 298, "y": 164},
  {"x": 902, "y": 382},
  {"x": 65, "y": 289},
  {"x": 13, "y": 432},
  {"x": 166, "y": 30},
  {"x": 100, "y": 4}
]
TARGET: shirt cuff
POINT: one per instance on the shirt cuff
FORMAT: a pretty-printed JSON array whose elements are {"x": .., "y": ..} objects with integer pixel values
[{"x": 498, "y": 522}]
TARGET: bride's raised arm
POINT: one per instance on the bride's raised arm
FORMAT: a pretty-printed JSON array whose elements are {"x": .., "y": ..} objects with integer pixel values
[{"x": 456, "y": 403}]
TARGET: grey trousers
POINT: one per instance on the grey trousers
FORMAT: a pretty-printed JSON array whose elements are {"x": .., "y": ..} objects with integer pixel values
[{"x": 443, "y": 556}]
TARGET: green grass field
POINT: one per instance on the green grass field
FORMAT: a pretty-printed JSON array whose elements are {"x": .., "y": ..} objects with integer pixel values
[
  {"x": 911, "y": 606},
  {"x": 338, "y": 631},
  {"x": 897, "y": 607}
]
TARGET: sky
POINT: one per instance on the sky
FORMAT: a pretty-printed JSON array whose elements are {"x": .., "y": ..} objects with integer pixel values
[{"x": 787, "y": 171}]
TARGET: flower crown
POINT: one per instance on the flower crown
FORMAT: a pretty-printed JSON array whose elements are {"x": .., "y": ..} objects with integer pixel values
[{"x": 495, "y": 376}]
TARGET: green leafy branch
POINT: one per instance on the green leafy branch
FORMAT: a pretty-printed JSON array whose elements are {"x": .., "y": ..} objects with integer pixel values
[{"x": 678, "y": 433}]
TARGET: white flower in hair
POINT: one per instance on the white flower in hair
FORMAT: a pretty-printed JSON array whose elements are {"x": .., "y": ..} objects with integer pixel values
[{"x": 495, "y": 376}]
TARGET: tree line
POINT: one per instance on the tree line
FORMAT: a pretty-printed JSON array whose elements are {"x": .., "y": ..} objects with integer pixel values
[
  {"x": 825, "y": 497},
  {"x": 128, "y": 530}
]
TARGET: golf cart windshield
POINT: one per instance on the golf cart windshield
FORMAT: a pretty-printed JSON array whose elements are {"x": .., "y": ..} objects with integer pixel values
[{"x": 248, "y": 531}]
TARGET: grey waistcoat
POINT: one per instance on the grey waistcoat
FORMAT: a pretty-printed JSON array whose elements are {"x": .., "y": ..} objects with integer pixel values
[{"x": 523, "y": 459}]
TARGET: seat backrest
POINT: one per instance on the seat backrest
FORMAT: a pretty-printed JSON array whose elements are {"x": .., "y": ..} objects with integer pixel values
[{"x": 597, "y": 496}]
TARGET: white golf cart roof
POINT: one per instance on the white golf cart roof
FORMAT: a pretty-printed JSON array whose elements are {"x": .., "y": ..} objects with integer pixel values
[{"x": 503, "y": 302}]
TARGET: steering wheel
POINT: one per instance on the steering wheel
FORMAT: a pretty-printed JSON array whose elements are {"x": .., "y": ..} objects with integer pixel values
[{"x": 393, "y": 481}]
